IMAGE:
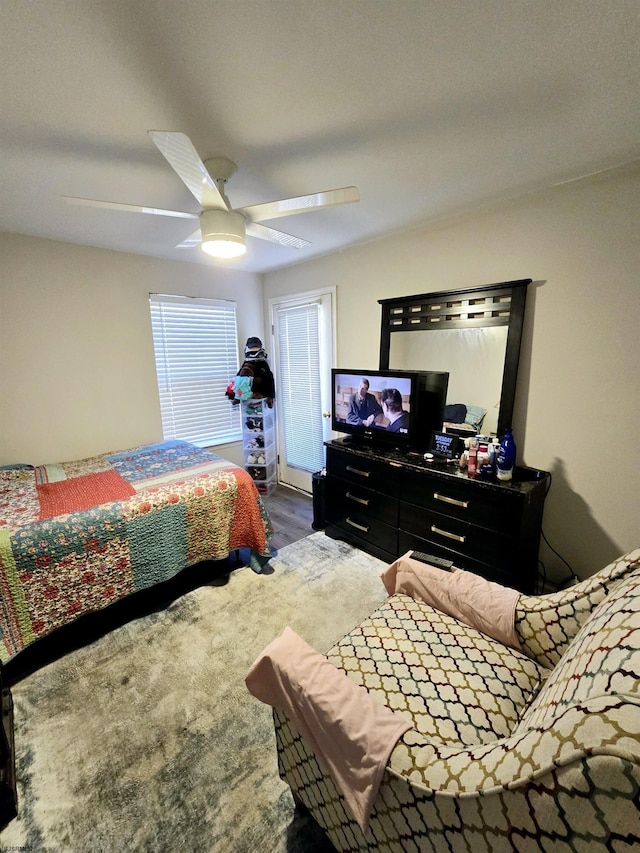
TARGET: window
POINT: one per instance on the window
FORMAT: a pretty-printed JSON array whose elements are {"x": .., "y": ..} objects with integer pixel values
[{"x": 196, "y": 349}]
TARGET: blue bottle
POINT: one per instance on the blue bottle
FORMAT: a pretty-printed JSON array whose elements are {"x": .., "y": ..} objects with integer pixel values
[{"x": 506, "y": 456}]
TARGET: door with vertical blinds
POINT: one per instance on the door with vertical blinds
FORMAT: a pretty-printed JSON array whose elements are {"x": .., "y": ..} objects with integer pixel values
[{"x": 303, "y": 347}]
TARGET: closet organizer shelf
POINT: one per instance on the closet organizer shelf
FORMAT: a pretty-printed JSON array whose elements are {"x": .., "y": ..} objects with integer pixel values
[
  {"x": 259, "y": 445},
  {"x": 388, "y": 502}
]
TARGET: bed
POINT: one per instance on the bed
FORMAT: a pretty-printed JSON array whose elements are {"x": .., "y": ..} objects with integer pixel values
[
  {"x": 463, "y": 419},
  {"x": 77, "y": 536}
]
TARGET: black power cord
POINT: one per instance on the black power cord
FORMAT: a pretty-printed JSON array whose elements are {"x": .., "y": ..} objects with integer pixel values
[
  {"x": 572, "y": 575},
  {"x": 542, "y": 578}
]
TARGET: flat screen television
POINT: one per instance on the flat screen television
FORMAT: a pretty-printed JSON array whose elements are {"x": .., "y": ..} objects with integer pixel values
[{"x": 402, "y": 408}]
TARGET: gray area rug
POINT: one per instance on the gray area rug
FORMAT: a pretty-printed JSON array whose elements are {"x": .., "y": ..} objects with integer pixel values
[{"x": 148, "y": 739}]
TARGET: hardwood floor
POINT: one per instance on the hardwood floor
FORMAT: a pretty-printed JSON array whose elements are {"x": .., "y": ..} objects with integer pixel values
[{"x": 291, "y": 513}]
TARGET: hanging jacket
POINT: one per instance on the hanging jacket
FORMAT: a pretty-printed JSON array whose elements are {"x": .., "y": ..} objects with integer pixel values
[{"x": 253, "y": 381}]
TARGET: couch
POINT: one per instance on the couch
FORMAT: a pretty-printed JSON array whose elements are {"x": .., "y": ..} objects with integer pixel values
[{"x": 528, "y": 749}]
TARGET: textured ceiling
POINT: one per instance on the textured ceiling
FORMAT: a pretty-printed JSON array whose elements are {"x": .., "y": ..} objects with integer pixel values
[{"x": 431, "y": 108}]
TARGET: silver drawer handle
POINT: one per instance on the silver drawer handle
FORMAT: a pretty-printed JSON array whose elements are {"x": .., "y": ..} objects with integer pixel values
[
  {"x": 358, "y": 526},
  {"x": 363, "y": 501},
  {"x": 446, "y": 533},
  {"x": 447, "y": 500},
  {"x": 357, "y": 471}
]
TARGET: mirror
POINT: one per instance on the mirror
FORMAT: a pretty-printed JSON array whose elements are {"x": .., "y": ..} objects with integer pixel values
[
  {"x": 474, "y": 335},
  {"x": 474, "y": 359}
]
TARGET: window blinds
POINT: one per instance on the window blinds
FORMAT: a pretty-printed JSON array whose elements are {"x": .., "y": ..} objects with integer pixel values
[
  {"x": 196, "y": 349},
  {"x": 299, "y": 400}
]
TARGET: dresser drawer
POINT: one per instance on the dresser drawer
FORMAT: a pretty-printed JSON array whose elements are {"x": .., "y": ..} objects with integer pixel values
[
  {"x": 459, "y": 536},
  {"x": 370, "y": 531},
  {"x": 378, "y": 476},
  {"x": 521, "y": 578},
  {"x": 346, "y": 498},
  {"x": 496, "y": 509}
]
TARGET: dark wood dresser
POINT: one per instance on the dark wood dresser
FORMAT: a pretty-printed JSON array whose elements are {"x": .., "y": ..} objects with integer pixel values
[{"x": 388, "y": 502}]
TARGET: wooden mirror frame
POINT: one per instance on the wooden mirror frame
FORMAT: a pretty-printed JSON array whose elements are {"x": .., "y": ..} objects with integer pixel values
[{"x": 499, "y": 304}]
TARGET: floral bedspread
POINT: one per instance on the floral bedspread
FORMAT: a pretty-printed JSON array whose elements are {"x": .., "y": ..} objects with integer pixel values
[{"x": 76, "y": 536}]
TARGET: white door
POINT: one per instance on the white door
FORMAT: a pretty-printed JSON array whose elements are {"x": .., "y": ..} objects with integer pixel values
[{"x": 303, "y": 335}]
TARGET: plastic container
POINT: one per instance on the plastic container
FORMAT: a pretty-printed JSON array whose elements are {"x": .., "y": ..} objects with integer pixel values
[
  {"x": 506, "y": 458},
  {"x": 260, "y": 456},
  {"x": 258, "y": 444}
]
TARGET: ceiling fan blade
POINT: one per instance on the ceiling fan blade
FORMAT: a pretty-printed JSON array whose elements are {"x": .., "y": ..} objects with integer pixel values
[
  {"x": 130, "y": 208},
  {"x": 183, "y": 158},
  {"x": 301, "y": 204},
  {"x": 265, "y": 233},
  {"x": 194, "y": 239}
]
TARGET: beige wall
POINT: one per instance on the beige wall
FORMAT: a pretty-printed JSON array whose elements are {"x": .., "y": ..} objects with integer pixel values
[
  {"x": 77, "y": 371},
  {"x": 578, "y": 403}
]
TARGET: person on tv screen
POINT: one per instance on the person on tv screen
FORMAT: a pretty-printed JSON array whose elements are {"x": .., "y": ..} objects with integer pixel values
[
  {"x": 398, "y": 418},
  {"x": 363, "y": 406}
]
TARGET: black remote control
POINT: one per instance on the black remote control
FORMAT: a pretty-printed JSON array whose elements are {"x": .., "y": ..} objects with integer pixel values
[{"x": 438, "y": 562}]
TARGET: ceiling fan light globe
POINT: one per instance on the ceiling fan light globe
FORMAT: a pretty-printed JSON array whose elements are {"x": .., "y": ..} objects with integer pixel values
[
  {"x": 224, "y": 249},
  {"x": 223, "y": 233}
]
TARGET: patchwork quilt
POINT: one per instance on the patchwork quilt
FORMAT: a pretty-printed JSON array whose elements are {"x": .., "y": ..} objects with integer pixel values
[{"x": 76, "y": 536}]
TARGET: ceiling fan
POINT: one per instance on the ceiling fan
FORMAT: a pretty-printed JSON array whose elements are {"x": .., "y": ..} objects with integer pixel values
[{"x": 223, "y": 229}]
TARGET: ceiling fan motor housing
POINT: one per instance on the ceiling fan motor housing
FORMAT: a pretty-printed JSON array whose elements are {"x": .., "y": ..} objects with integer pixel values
[{"x": 222, "y": 225}]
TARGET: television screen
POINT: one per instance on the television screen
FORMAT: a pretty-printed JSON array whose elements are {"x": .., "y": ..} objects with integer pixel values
[{"x": 401, "y": 408}]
